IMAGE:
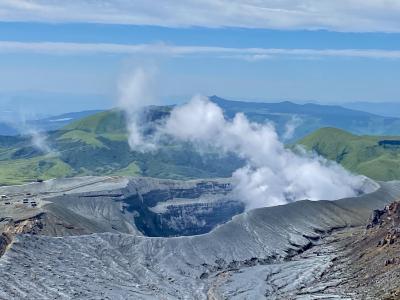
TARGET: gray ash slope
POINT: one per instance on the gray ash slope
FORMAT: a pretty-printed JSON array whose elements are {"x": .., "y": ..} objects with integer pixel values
[
  {"x": 266, "y": 252},
  {"x": 141, "y": 206}
]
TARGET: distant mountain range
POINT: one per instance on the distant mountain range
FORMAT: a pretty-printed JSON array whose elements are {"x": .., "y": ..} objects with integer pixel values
[
  {"x": 302, "y": 119},
  {"x": 310, "y": 117},
  {"x": 95, "y": 143}
]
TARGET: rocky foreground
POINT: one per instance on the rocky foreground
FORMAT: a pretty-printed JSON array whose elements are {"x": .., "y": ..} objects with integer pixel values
[
  {"x": 370, "y": 259},
  {"x": 90, "y": 239}
]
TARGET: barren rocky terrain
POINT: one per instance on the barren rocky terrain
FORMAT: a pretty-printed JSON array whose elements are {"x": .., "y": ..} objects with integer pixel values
[
  {"x": 370, "y": 256},
  {"x": 87, "y": 238}
]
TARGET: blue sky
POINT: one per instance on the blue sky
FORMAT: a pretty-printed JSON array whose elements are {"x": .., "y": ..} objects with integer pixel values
[{"x": 260, "y": 50}]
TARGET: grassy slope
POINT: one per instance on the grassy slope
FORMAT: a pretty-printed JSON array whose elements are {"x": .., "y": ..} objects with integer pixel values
[
  {"x": 360, "y": 154},
  {"x": 85, "y": 137},
  {"x": 101, "y": 123},
  {"x": 131, "y": 170},
  {"x": 25, "y": 170},
  {"x": 97, "y": 145}
]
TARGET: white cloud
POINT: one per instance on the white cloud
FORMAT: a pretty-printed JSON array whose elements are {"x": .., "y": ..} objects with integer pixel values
[
  {"x": 336, "y": 15},
  {"x": 248, "y": 54},
  {"x": 200, "y": 116},
  {"x": 273, "y": 175}
]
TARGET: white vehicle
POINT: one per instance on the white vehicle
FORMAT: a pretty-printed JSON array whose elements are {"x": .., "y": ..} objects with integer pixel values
[{"x": 3, "y": 196}]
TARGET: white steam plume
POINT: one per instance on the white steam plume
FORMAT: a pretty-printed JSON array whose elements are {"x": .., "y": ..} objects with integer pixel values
[
  {"x": 39, "y": 140},
  {"x": 135, "y": 93},
  {"x": 290, "y": 127},
  {"x": 273, "y": 174}
]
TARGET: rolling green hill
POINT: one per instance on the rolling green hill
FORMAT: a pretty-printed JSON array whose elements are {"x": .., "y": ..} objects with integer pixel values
[
  {"x": 377, "y": 157},
  {"x": 97, "y": 145},
  {"x": 112, "y": 121}
]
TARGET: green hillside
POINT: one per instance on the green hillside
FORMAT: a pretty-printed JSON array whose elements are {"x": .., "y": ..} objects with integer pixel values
[
  {"x": 377, "y": 157},
  {"x": 97, "y": 145},
  {"x": 25, "y": 170},
  {"x": 112, "y": 121}
]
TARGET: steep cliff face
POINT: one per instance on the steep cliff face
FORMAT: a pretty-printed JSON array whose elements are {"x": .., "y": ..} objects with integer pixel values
[
  {"x": 189, "y": 208},
  {"x": 156, "y": 207},
  {"x": 139, "y": 206},
  {"x": 188, "y": 218}
]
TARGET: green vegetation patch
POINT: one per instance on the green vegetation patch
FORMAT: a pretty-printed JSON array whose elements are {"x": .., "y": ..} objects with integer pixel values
[
  {"x": 27, "y": 170},
  {"x": 88, "y": 138},
  {"x": 131, "y": 170},
  {"x": 365, "y": 155},
  {"x": 104, "y": 122}
]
